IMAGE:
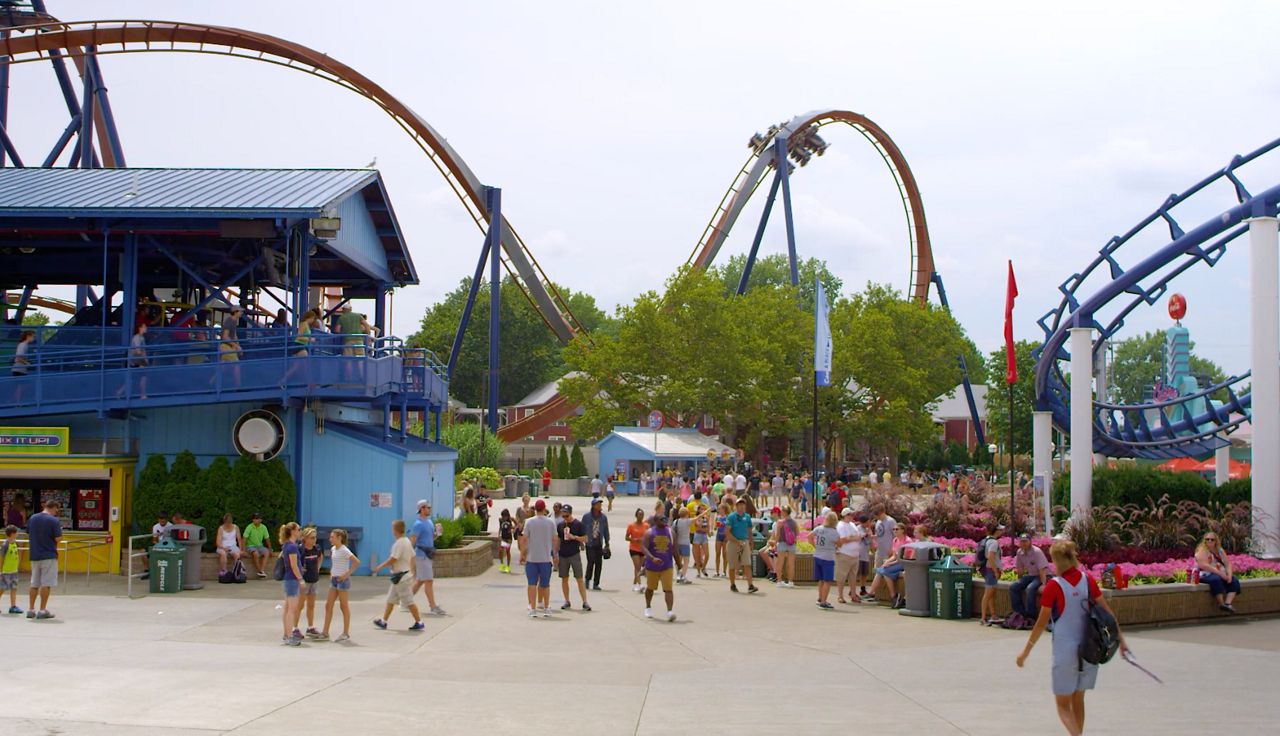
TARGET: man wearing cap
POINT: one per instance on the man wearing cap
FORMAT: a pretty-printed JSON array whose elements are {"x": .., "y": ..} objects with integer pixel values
[
  {"x": 537, "y": 552},
  {"x": 660, "y": 560},
  {"x": 423, "y": 538},
  {"x": 597, "y": 542},
  {"x": 257, "y": 542},
  {"x": 738, "y": 531},
  {"x": 848, "y": 547},
  {"x": 570, "y": 536},
  {"x": 1033, "y": 571}
]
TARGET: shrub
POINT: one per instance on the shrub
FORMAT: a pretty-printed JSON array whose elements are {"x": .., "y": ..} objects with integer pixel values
[
  {"x": 1161, "y": 524},
  {"x": 896, "y": 504},
  {"x": 1097, "y": 531},
  {"x": 465, "y": 438},
  {"x": 149, "y": 493},
  {"x": 577, "y": 463},
  {"x": 1233, "y": 491},
  {"x": 1234, "y": 525},
  {"x": 943, "y": 517},
  {"x": 562, "y": 464},
  {"x": 470, "y": 524},
  {"x": 549, "y": 461},
  {"x": 1138, "y": 485},
  {"x": 487, "y": 477},
  {"x": 450, "y": 533}
]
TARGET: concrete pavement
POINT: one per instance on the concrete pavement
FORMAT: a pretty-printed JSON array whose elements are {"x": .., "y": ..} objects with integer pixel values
[{"x": 210, "y": 662}]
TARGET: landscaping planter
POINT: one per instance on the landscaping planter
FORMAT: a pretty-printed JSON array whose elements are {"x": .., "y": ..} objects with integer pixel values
[
  {"x": 491, "y": 540},
  {"x": 468, "y": 560},
  {"x": 564, "y": 487}
]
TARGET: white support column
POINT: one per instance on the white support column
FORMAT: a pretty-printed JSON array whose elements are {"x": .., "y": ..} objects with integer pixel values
[
  {"x": 1221, "y": 465},
  {"x": 1081, "y": 421},
  {"x": 1042, "y": 460},
  {"x": 1100, "y": 386},
  {"x": 1264, "y": 333}
]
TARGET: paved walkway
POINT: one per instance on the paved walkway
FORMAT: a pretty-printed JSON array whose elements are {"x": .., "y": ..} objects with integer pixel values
[{"x": 210, "y": 662}]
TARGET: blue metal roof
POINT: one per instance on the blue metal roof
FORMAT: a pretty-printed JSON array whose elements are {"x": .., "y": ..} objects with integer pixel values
[{"x": 189, "y": 192}]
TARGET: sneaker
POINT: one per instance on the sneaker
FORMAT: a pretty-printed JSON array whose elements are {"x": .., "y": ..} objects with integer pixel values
[
  {"x": 380, "y": 624},
  {"x": 825, "y": 606},
  {"x": 566, "y": 606},
  {"x": 437, "y": 611},
  {"x": 321, "y": 636},
  {"x": 637, "y": 588},
  {"x": 418, "y": 626},
  {"x": 671, "y": 615},
  {"x": 296, "y": 634},
  {"x": 14, "y": 609},
  {"x": 313, "y": 633},
  {"x": 342, "y": 637},
  {"x": 867, "y": 598},
  {"x": 261, "y": 574},
  {"x": 585, "y": 607},
  {"x": 44, "y": 615},
  {"x": 862, "y": 592},
  {"x": 648, "y": 613},
  {"x": 544, "y": 612},
  {"x": 31, "y": 613},
  {"x": 733, "y": 587},
  {"x": 595, "y": 587},
  {"x": 752, "y": 589},
  {"x": 533, "y": 613}
]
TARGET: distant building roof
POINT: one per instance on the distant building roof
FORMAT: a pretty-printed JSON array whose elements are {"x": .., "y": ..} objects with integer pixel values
[
  {"x": 668, "y": 443},
  {"x": 543, "y": 393},
  {"x": 954, "y": 406}
]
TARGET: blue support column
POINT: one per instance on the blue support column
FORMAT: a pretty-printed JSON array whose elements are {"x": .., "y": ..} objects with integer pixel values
[
  {"x": 380, "y": 309},
  {"x": 495, "y": 298},
  {"x": 755, "y": 244},
  {"x": 304, "y": 272},
  {"x": 82, "y": 297},
  {"x": 85, "y": 149},
  {"x": 104, "y": 105},
  {"x": 437, "y": 427},
  {"x": 780, "y": 159},
  {"x": 936, "y": 279},
  {"x": 129, "y": 283},
  {"x": 470, "y": 303},
  {"x": 4, "y": 93}
]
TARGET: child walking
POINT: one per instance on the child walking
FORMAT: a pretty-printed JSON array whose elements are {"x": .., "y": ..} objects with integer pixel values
[
  {"x": 9, "y": 567},
  {"x": 506, "y": 529},
  {"x": 310, "y": 555},
  {"x": 342, "y": 562}
]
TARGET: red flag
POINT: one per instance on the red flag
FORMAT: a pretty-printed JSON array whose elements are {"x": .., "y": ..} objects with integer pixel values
[{"x": 1010, "y": 360}]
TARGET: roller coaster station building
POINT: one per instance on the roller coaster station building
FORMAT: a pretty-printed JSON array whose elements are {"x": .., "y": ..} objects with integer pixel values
[{"x": 178, "y": 249}]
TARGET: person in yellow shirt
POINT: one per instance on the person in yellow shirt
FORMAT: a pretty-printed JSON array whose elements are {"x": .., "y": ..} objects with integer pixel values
[{"x": 9, "y": 567}]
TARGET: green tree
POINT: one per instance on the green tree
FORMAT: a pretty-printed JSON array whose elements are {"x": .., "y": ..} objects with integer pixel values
[
  {"x": 549, "y": 460},
  {"x": 465, "y": 437},
  {"x": 891, "y": 360},
  {"x": 531, "y": 354},
  {"x": 562, "y": 464},
  {"x": 577, "y": 463},
  {"x": 1136, "y": 367},
  {"x": 773, "y": 270},
  {"x": 957, "y": 454},
  {"x": 35, "y": 319},
  {"x": 1023, "y": 398},
  {"x": 149, "y": 493}
]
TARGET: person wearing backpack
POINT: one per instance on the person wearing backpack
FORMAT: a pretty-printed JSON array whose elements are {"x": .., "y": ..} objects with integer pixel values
[
  {"x": 786, "y": 533},
  {"x": 1069, "y": 599},
  {"x": 987, "y": 562}
]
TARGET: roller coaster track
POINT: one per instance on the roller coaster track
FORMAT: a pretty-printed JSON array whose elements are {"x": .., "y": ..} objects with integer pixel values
[
  {"x": 758, "y": 166},
  {"x": 1148, "y": 430},
  {"x": 37, "y": 42},
  {"x": 40, "y": 41}
]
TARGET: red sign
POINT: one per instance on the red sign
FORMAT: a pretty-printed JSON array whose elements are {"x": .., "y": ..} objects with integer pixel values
[{"x": 1177, "y": 306}]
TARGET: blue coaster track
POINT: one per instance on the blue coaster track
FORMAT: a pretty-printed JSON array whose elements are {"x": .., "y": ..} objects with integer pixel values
[{"x": 1185, "y": 425}]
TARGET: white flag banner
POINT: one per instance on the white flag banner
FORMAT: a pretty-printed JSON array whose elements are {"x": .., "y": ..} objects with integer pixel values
[{"x": 821, "y": 339}]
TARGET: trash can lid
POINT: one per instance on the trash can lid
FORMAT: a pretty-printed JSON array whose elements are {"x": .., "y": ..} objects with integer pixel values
[
  {"x": 951, "y": 563},
  {"x": 166, "y": 545}
]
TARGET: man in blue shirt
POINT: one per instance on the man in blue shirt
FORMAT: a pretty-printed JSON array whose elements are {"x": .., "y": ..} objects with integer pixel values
[
  {"x": 43, "y": 532},
  {"x": 738, "y": 530},
  {"x": 423, "y": 538}
]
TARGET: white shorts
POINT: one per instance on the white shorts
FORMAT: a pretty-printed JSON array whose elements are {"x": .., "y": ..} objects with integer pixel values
[
  {"x": 232, "y": 550},
  {"x": 401, "y": 592},
  {"x": 423, "y": 568},
  {"x": 44, "y": 573}
]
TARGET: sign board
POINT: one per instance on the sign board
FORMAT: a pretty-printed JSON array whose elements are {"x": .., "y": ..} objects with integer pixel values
[
  {"x": 379, "y": 500},
  {"x": 655, "y": 420},
  {"x": 34, "y": 441}
]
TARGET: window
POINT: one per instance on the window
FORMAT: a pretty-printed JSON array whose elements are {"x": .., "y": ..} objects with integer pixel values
[
  {"x": 529, "y": 438},
  {"x": 555, "y": 438},
  {"x": 528, "y": 413},
  {"x": 560, "y": 423}
]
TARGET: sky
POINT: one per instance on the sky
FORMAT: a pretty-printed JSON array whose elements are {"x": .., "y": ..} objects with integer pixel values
[{"x": 1035, "y": 132}]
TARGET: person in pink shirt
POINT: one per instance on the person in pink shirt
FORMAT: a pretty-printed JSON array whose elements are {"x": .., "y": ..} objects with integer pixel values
[{"x": 892, "y": 569}]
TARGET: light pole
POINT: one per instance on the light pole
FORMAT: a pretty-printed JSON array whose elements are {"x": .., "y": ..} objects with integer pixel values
[{"x": 992, "y": 449}]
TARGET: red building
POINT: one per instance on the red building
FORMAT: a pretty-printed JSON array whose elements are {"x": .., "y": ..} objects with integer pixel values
[{"x": 954, "y": 421}]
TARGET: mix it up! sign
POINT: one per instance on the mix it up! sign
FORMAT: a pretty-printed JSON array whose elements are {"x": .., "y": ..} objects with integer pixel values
[{"x": 34, "y": 440}]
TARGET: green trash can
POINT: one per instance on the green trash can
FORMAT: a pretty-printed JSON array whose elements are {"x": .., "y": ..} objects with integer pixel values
[
  {"x": 950, "y": 589},
  {"x": 758, "y": 541},
  {"x": 166, "y": 565}
]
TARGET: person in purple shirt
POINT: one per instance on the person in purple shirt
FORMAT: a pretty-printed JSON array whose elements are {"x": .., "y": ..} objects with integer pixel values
[{"x": 660, "y": 559}]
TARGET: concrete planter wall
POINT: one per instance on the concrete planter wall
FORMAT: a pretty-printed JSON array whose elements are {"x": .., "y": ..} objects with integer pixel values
[
  {"x": 468, "y": 560},
  {"x": 564, "y": 487},
  {"x": 1166, "y": 602}
]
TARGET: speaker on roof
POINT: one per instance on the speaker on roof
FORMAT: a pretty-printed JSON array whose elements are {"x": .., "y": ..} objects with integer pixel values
[{"x": 259, "y": 434}]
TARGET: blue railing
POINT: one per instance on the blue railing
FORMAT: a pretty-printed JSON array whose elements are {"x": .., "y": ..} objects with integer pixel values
[{"x": 88, "y": 368}]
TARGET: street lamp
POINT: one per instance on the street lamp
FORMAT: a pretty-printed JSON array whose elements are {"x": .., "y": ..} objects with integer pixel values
[{"x": 992, "y": 449}]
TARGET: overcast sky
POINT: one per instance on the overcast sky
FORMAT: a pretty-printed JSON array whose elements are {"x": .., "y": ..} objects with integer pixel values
[{"x": 1036, "y": 132}]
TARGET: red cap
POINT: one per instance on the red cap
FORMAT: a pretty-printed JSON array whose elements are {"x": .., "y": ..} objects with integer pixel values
[
  {"x": 775, "y": 510},
  {"x": 539, "y": 505}
]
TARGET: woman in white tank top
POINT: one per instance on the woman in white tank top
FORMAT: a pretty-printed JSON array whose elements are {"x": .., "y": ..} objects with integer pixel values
[{"x": 229, "y": 543}]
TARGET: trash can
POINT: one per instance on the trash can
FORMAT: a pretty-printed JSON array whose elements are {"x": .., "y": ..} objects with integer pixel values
[
  {"x": 509, "y": 484},
  {"x": 950, "y": 589},
  {"x": 165, "y": 566},
  {"x": 758, "y": 541},
  {"x": 522, "y": 486},
  {"x": 191, "y": 538},
  {"x": 915, "y": 564},
  {"x": 584, "y": 486}
]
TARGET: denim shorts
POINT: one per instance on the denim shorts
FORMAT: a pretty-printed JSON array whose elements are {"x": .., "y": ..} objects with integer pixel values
[
  {"x": 683, "y": 549},
  {"x": 538, "y": 573},
  {"x": 344, "y": 584},
  {"x": 291, "y": 588},
  {"x": 989, "y": 576},
  {"x": 308, "y": 589},
  {"x": 699, "y": 538},
  {"x": 784, "y": 548},
  {"x": 890, "y": 571}
]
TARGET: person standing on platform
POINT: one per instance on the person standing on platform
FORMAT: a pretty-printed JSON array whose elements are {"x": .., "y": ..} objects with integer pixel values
[
  {"x": 537, "y": 553},
  {"x": 44, "y": 531},
  {"x": 597, "y": 542},
  {"x": 423, "y": 538}
]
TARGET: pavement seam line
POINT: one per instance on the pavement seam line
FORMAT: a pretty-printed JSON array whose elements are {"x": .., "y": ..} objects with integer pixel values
[
  {"x": 894, "y": 688},
  {"x": 679, "y": 643},
  {"x": 643, "y": 702}
]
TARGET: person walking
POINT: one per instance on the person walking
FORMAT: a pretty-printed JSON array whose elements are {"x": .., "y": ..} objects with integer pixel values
[
  {"x": 506, "y": 535},
  {"x": 634, "y": 536},
  {"x": 786, "y": 534},
  {"x": 738, "y": 529},
  {"x": 1065, "y": 600},
  {"x": 401, "y": 561},
  {"x": 660, "y": 558},
  {"x": 570, "y": 536},
  {"x": 423, "y": 538},
  {"x": 43, "y": 534},
  {"x": 597, "y": 542},
  {"x": 682, "y": 528},
  {"x": 537, "y": 553}
]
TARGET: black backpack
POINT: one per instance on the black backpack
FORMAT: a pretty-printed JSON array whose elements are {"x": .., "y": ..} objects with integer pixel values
[
  {"x": 1101, "y": 636},
  {"x": 235, "y": 575},
  {"x": 278, "y": 572},
  {"x": 980, "y": 559}
]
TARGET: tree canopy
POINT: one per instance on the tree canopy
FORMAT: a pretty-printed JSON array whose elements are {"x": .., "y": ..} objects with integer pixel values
[
  {"x": 773, "y": 270},
  {"x": 1137, "y": 366},
  {"x": 1023, "y": 398},
  {"x": 530, "y": 353}
]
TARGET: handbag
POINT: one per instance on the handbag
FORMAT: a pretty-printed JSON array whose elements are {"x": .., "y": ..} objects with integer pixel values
[
  {"x": 396, "y": 577},
  {"x": 606, "y": 554}
]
